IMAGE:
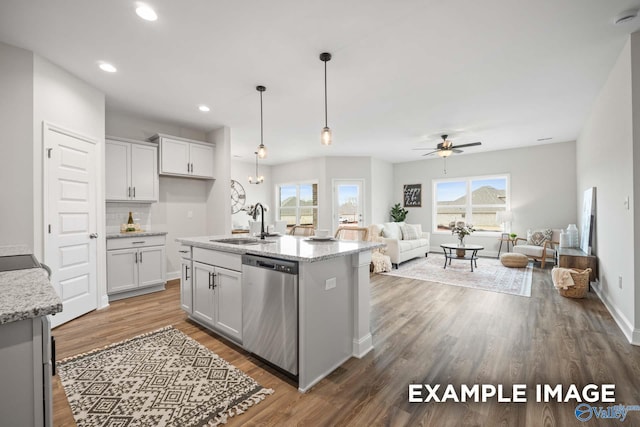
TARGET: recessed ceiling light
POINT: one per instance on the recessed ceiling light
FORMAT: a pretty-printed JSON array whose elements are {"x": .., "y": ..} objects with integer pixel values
[
  {"x": 545, "y": 139},
  {"x": 204, "y": 108},
  {"x": 145, "y": 12},
  {"x": 105, "y": 66},
  {"x": 626, "y": 16}
]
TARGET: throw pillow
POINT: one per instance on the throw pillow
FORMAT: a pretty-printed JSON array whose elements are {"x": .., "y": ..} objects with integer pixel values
[
  {"x": 391, "y": 230},
  {"x": 411, "y": 231},
  {"x": 538, "y": 237}
]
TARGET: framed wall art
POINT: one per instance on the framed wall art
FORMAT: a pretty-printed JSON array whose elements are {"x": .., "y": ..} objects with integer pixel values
[{"x": 412, "y": 195}]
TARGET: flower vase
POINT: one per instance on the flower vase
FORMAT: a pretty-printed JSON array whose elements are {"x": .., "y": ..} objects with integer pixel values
[{"x": 460, "y": 252}]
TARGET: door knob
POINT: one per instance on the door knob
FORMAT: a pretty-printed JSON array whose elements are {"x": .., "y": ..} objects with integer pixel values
[{"x": 93, "y": 235}]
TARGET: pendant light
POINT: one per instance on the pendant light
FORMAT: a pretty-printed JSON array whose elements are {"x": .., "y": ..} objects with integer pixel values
[
  {"x": 262, "y": 150},
  {"x": 258, "y": 179},
  {"x": 325, "y": 135}
]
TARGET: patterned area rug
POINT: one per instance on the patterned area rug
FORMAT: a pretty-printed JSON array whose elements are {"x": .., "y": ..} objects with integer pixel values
[
  {"x": 490, "y": 275},
  {"x": 163, "y": 378}
]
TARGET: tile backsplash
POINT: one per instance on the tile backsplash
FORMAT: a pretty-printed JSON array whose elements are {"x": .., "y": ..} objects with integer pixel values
[{"x": 118, "y": 213}]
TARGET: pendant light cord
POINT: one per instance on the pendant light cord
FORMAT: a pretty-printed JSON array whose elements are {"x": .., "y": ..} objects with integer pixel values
[
  {"x": 325, "y": 94},
  {"x": 261, "y": 131}
]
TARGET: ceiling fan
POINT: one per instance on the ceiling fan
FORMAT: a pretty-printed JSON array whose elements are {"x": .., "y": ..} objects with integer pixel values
[{"x": 447, "y": 148}]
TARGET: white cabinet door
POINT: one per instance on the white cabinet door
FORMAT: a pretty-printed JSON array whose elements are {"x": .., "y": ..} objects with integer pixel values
[
  {"x": 144, "y": 173},
  {"x": 117, "y": 170},
  {"x": 122, "y": 270},
  {"x": 202, "y": 160},
  {"x": 151, "y": 266},
  {"x": 228, "y": 311},
  {"x": 203, "y": 295},
  {"x": 186, "y": 290},
  {"x": 174, "y": 157}
]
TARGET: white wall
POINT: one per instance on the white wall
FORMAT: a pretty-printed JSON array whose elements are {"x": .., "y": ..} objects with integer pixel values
[
  {"x": 382, "y": 190},
  {"x": 263, "y": 193},
  {"x": 543, "y": 187},
  {"x": 610, "y": 126},
  {"x": 635, "y": 198},
  {"x": 182, "y": 207},
  {"x": 16, "y": 146},
  {"x": 219, "y": 191}
]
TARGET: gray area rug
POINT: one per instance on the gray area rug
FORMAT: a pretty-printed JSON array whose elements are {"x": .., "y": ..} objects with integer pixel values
[
  {"x": 490, "y": 275},
  {"x": 163, "y": 378}
]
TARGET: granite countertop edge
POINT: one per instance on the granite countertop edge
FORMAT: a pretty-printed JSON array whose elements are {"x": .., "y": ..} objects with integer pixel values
[
  {"x": 135, "y": 234},
  {"x": 254, "y": 250},
  {"x": 26, "y": 294}
]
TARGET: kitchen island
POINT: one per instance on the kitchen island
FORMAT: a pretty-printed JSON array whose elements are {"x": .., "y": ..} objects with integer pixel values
[
  {"x": 333, "y": 294},
  {"x": 26, "y": 298}
]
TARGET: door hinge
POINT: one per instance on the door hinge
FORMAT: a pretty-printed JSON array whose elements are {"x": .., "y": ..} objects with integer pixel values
[{"x": 49, "y": 152}]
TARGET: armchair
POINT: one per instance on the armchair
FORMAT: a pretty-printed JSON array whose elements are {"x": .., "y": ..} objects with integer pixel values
[{"x": 539, "y": 245}]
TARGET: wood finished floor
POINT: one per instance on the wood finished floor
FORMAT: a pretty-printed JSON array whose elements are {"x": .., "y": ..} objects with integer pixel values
[{"x": 423, "y": 333}]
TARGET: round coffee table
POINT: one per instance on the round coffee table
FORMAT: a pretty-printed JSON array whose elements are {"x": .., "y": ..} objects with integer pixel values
[{"x": 470, "y": 253}]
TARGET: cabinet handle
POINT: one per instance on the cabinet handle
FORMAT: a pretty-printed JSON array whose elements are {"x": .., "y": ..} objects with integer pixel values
[
  {"x": 186, "y": 272},
  {"x": 129, "y": 192},
  {"x": 138, "y": 243},
  {"x": 212, "y": 280},
  {"x": 188, "y": 167},
  {"x": 136, "y": 254},
  {"x": 134, "y": 192},
  {"x": 140, "y": 257}
]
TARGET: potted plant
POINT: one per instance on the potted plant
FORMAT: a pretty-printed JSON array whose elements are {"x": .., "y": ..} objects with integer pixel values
[
  {"x": 398, "y": 213},
  {"x": 513, "y": 236}
]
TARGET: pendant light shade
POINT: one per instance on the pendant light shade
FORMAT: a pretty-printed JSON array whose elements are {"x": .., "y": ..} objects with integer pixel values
[
  {"x": 258, "y": 179},
  {"x": 325, "y": 136},
  {"x": 262, "y": 150}
]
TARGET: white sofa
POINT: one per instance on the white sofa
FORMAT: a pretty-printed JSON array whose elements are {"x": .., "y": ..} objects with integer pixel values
[{"x": 401, "y": 246}]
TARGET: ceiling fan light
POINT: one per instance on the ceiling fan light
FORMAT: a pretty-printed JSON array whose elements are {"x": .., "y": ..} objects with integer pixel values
[
  {"x": 325, "y": 136},
  {"x": 445, "y": 153}
]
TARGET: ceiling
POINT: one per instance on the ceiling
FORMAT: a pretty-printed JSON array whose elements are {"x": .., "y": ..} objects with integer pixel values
[{"x": 504, "y": 72}]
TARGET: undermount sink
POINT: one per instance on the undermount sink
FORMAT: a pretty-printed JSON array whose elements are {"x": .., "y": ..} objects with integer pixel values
[{"x": 241, "y": 241}]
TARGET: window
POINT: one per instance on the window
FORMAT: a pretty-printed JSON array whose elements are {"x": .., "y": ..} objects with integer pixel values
[
  {"x": 298, "y": 204},
  {"x": 475, "y": 200}
]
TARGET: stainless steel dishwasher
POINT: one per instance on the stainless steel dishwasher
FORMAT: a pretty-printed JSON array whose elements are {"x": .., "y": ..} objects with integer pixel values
[{"x": 270, "y": 310}]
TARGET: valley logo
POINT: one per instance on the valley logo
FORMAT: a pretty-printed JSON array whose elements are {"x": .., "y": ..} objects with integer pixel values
[{"x": 584, "y": 412}]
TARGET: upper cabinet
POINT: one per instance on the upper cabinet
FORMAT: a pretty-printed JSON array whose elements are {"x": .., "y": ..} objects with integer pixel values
[
  {"x": 131, "y": 171},
  {"x": 185, "y": 157}
]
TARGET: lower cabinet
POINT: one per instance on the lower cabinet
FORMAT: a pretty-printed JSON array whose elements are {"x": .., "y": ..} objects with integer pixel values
[
  {"x": 217, "y": 298},
  {"x": 186, "y": 287},
  {"x": 131, "y": 270}
]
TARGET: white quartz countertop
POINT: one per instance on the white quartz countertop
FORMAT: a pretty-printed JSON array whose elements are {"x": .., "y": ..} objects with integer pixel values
[
  {"x": 25, "y": 294},
  {"x": 135, "y": 234},
  {"x": 293, "y": 248}
]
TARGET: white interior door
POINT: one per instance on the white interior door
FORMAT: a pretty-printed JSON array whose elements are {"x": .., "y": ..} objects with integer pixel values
[
  {"x": 70, "y": 177},
  {"x": 348, "y": 203}
]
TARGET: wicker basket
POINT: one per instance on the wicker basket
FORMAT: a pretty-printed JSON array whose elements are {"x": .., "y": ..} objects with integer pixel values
[{"x": 581, "y": 284}]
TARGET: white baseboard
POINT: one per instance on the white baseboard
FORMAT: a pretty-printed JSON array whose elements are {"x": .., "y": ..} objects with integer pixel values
[
  {"x": 362, "y": 346},
  {"x": 632, "y": 335},
  {"x": 173, "y": 275}
]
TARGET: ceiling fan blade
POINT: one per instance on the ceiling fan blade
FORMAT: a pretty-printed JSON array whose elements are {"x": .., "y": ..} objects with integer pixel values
[
  {"x": 456, "y": 150},
  {"x": 433, "y": 152},
  {"x": 468, "y": 145},
  {"x": 426, "y": 148}
]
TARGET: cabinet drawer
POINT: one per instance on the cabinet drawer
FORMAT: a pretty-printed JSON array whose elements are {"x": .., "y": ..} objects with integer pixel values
[
  {"x": 184, "y": 251},
  {"x": 135, "y": 242},
  {"x": 220, "y": 259}
]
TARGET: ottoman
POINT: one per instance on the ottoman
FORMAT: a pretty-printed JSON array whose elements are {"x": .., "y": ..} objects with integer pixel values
[{"x": 514, "y": 260}]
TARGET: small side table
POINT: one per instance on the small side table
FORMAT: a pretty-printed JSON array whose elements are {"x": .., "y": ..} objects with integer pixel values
[{"x": 504, "y": 237}]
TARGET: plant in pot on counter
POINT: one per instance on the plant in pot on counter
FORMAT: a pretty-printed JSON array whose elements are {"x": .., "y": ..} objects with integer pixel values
[{"x": 398, "y": 213}]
